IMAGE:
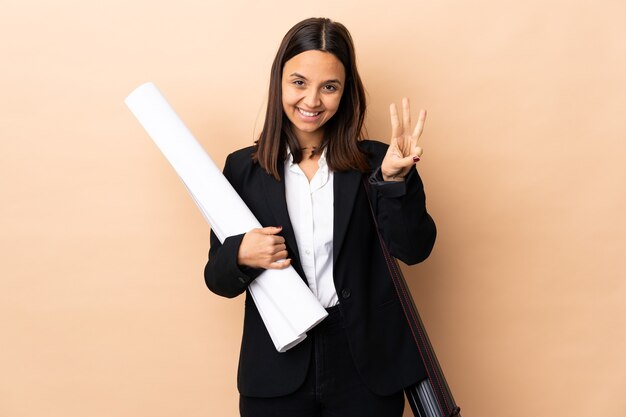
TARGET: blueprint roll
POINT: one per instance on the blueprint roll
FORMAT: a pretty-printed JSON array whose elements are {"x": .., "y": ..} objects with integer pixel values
[{"x": 286, "y": 304}]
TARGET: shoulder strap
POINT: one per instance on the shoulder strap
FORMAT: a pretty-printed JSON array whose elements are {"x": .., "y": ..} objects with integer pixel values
[{"x": 444, "y": 401}]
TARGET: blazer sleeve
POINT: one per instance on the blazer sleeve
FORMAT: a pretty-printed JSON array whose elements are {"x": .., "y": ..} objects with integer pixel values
[
  {"x": 400, "y": 209},
  {"x": 222, "y": 274}
]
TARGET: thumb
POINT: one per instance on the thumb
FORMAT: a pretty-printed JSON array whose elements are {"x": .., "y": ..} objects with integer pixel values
[
  {"x": 271, "y": 230},
  {"x": 407, "y": 161}
]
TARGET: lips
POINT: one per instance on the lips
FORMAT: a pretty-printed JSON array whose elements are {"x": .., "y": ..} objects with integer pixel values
[{"x": 308, "y": 113}]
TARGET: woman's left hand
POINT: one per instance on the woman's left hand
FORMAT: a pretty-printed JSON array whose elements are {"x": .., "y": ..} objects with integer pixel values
[{"x": 403, "y": 152}]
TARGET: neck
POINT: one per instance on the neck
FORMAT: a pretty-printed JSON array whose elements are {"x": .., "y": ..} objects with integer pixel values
[
  {"x": 310, "y": 141},
  {"x": 310, "y": 153}
]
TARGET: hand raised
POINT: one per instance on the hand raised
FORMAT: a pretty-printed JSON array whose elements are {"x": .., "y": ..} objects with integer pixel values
[
  {"x": 263, "y": 248},
  {"x": 403, "y": 152}
]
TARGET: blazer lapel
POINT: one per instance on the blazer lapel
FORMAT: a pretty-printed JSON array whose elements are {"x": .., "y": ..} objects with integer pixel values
[
  {"x": 277, "y": 205},
  {"x": 346, "y": 185},
  {"x": 345, "y": 188}
]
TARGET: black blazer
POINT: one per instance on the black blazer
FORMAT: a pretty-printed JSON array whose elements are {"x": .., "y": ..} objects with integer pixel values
[{"x": 379, "y": 338}]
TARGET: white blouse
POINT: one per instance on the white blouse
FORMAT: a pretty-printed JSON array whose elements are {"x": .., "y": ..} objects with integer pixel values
[{"x": 310, "y": 207}]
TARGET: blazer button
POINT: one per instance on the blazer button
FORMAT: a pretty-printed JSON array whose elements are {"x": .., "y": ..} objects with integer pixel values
[{"x": 345, "y": 293}]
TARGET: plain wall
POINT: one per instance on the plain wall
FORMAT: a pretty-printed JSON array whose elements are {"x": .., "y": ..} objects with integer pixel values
[{"x": 103, "y": 308}]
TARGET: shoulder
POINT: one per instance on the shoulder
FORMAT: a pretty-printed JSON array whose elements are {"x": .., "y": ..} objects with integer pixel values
[
  {"x": 240, "y": 169},
  {"x": 240, "y": 165},
  {"x": 373, "y": 145},
  {"x": 242, "y": 156},
  {"x": 375, "y": 151},
  {"x": 240, "y": 159}
]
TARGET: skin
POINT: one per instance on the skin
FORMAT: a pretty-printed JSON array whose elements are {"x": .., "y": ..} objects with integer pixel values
[
  {"x": 403, "y": 146},
  {"x": 313, "y": 83}
]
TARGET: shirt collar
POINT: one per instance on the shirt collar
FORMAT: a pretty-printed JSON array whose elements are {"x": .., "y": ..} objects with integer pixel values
[
  {"x": 321, "y": 162},
  {"x": 321, "y": 177}
]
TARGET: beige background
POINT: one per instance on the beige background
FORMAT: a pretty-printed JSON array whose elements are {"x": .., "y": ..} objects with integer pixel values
[{"x": 103, "y": 308}]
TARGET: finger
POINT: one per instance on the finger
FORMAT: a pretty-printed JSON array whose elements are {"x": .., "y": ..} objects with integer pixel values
[
  {"x": 279, "y": 255},
  {"x": 406, "y": 114},
  {"x": 282, "y": 264},
  {"x": 394, "y": 145},
  {"x": 272, "y": 250},
  {"x": 407, "y": 161},
  {"x": 396, "y": 129},
  {"x": 403, "y": 163},
  {"x": 270, "y": 230},
  {"x": 276, "y": 240},
  {"x": 419, "y": 127},
  {"x": 279, "y": 248}
]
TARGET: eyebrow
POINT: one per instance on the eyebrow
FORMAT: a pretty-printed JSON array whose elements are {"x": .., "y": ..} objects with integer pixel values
[{"x": 295, "y": 74}]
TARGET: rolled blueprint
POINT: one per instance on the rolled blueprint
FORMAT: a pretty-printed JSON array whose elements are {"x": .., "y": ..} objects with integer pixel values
[{"x": 286, "y": 304}]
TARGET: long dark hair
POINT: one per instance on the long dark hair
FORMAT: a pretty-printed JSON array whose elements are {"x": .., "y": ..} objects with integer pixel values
[{"x": 343, "y": 131}]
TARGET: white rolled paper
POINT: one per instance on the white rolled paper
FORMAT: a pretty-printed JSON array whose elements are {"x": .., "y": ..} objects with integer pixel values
[{"x": 287, "y": 306}]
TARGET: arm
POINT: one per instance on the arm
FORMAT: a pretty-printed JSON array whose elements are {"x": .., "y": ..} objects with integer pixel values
[
  {"x": 400, "y": 209},
  {"x": 222, "y": 274},
  {"x": 236, "y": 262},
  {"x": 398, "y": 193},
  {"x": 233, "y": 265}
]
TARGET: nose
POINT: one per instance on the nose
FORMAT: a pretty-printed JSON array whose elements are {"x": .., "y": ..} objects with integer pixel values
[{"x": 312, "y": 99}]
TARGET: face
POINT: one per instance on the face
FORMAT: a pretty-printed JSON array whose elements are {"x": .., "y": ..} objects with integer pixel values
[{"x": 312, "y": 84}]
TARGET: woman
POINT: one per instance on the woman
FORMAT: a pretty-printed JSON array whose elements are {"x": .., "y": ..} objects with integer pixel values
[{"x": 305, "y": 180}]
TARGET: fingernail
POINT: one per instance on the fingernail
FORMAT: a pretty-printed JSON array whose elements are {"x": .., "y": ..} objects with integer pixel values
[{"x": 416, "y": 159}]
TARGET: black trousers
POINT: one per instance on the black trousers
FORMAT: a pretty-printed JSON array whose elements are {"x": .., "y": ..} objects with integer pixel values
[{"x": 332, "y": 388}]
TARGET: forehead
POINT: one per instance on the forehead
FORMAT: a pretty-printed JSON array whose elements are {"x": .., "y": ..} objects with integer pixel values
[{"x": 315, "y": 65}]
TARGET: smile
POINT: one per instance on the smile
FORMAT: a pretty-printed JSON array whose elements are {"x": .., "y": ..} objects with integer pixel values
[{"x": 308, "y": 113}]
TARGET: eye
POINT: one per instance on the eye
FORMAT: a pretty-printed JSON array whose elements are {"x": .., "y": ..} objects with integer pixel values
[
  {"x": 330, "y": 88},
  {"x": 298, "y": 83}
]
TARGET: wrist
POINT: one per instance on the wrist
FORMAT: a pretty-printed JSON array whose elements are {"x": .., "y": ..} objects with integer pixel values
[{"x": 396, "y": 177}]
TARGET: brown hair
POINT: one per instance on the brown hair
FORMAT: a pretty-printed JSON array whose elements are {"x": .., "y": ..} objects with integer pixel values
[{"x": 343, "y": 131}]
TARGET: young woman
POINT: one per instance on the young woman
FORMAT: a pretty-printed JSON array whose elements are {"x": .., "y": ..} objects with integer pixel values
[{"x": 305, "y": 180}]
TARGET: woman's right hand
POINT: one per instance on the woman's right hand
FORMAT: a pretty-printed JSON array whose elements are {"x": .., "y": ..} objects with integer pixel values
[{"x": 263, "y": 248}]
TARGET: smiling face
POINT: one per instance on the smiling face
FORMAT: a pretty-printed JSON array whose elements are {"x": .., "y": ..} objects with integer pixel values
[{"x": 312, "y": 83}]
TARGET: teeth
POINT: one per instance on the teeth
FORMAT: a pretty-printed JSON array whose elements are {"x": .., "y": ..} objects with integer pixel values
[{"x": 307, "y": 113}]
